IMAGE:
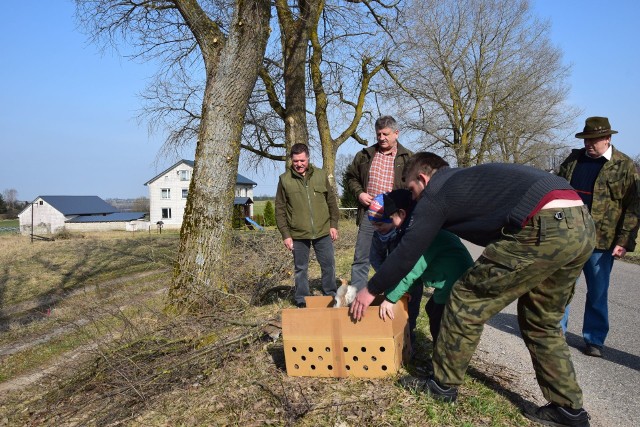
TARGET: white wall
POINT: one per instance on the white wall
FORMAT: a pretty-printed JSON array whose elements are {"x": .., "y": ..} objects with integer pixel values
[
  {"x": 171, "y": 180},
  {"x": 46, "y": 218},
  {"x": 110, "y": 226}
]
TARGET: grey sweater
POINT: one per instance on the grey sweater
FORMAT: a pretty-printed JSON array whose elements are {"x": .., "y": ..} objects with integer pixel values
[{"x": 475, "y": 203}]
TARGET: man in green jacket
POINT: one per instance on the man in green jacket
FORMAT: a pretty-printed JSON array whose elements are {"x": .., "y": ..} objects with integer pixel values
[
  {"x": 307, "y": 215},
  {"x": 607, "y": 182}
]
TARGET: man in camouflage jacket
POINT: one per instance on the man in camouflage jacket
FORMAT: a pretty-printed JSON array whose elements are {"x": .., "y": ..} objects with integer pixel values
[{"x": 608, "y": 183}]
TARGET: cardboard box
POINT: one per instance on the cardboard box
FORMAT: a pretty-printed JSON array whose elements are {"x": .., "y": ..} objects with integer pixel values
[{"x": 322, "y": 341}]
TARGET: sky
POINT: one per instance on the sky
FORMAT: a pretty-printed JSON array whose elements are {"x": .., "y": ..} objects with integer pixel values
[{"x": 68, "y": 112}]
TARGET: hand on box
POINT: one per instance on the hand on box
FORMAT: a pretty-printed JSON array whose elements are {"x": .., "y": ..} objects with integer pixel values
[
  {"x": 386, "y": 310},
  {"x": 364, "y": 298}
]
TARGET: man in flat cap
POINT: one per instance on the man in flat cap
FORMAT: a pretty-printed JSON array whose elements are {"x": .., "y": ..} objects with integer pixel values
[{"x": 608, "y": 184}]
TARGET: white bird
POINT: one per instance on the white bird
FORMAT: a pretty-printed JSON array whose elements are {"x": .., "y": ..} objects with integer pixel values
[{"x": 345, "y": 295}]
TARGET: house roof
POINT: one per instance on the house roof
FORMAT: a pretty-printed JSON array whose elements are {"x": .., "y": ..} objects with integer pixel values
[
  {"x": 79, "y": 205},
  {"x": 239, "y": 180},
  {"x": 242, "y": 201},
  {"x": 112, "y": 217}
]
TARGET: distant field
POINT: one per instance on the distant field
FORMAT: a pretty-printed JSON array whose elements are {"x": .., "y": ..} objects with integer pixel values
[
  {"x": 9, "y": 226},
  {"x": 258, "y": 206}
]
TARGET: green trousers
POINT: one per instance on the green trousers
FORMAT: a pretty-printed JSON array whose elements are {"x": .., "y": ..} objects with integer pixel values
[{"x": 538, "y": 265}]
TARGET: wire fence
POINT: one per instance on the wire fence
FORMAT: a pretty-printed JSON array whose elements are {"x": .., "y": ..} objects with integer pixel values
[{"x": 9, "y": 230}]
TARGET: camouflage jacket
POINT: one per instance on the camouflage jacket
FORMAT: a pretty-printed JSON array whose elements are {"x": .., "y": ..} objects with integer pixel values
[{"x": 616, "y": 200}]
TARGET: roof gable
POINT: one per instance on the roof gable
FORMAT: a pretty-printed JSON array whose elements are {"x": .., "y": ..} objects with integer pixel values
[
  {"x": 79, "y": 205},
  {"x": 239, "y": 180}
]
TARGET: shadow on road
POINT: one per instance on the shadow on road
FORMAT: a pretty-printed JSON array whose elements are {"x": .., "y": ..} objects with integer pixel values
[{"x": 507, "y": 322}]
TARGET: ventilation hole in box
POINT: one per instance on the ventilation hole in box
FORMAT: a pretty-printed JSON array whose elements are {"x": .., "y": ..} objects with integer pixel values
[
  {"x": 365, "y": 367},
  {"x": 327, "y": 349},
  {"x": 320, "y": 358},
  {"x": 304, "y": 358},
  {"x": 310, "y": 349},
  {"x": 345, "y": 349},
  {"x": 330, "y": 368},
  {"x": 348, "y": 367},
  {"x": 313, "y": 367},
  {"x": 355, "y": 358},
  {"x": 382, "y": 349},
  {"x": 363, "y": 349},
  {"x": 373, "y": 358},
  {"x": 384, "y": 367},
  {"x": 294, "y": 349},
  {"x": 296, "y": 366}
]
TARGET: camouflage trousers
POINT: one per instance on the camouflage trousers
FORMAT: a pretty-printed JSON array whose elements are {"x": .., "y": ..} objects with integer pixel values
[{"x": 538, "y": 265}]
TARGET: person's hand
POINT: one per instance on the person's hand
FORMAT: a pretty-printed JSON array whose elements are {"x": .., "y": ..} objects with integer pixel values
[
  {"x": 364, "y": 298},
  {"x": 333, "y": 232},
  {"x": 619, "y": 252},
  {"x": 288, "y": 243},
  {"x": 365, "y": 199},
  {"x": 386, "y": 310}
]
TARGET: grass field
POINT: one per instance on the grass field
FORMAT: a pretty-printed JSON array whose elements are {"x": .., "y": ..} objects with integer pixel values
[
  {"x": 86, "y": 340},
  {"x": 258, "y": 206},
  {"x": 9, "y": 223}
]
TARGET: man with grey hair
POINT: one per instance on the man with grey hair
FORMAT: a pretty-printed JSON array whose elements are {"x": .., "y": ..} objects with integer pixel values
[{"x": 374, "y": 170}]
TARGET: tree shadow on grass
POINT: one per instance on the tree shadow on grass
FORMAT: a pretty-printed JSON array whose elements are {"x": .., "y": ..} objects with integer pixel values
[{"x": 94, "y": 263}]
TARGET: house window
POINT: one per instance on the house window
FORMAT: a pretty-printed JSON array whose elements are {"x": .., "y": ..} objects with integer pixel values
[
  {"x": 184, "y": 193},
  {"x": 166, "y": 213},
  {"x": 166, "y": 193},
  {"x": 184, "y": 175}
]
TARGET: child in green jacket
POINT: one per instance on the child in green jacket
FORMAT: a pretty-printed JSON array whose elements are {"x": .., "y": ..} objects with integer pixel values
[{"x": 439, "y": 267}]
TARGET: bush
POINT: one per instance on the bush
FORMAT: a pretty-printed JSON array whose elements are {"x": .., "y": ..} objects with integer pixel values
[
  {"x": 269, "y": 215},
  {"x": 64, "y": 234},
  {"x": 259, "y": 218}
]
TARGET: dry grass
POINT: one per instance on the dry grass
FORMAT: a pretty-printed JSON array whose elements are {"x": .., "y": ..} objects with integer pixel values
[{"x": 115, "y": 358}]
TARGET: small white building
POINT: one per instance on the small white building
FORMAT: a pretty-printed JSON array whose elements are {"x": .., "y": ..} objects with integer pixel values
[
  {"x": 50, "y": 214},
  {"x": 168, "y": 194}
]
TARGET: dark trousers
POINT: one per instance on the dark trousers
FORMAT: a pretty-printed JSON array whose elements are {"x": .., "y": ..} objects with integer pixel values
[
  {"x": 323, "y": 247},
  {"x": 434, "y": 311}
]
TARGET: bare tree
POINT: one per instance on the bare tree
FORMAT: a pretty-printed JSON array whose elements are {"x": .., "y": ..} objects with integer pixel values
[
  {"x": 140, "y": 204},
  {"x": 231, "y": 38},
  {"x": 11, "y": 198},
  {"x": 481, "y": 80},
  {"x": 341, "y": 48},
  {"x": 336, "y": 49}
]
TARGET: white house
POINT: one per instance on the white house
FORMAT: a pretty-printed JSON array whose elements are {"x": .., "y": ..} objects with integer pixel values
[
  {"x": 168, "y": 194},
  {"x": 50, "y": 214}
]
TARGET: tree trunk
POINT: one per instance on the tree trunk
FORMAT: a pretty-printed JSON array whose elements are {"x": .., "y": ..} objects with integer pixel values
[{"x": 206, "y": 226}]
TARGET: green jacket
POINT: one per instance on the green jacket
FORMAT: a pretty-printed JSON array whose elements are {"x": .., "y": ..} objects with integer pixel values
[
  {"x": 357, "y": 172},
  {"x": 616, "y": 200},
  {"x": 439, "y": 267},
  {"x": 306, "y": 206}
]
